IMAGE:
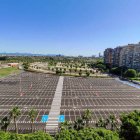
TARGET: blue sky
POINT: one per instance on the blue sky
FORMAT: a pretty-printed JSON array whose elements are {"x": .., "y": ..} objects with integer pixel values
[{"x": 69, "y": 27}]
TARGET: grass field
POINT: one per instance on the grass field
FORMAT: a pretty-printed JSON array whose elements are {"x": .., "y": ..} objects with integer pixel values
[{"x": 7, "y": 71}]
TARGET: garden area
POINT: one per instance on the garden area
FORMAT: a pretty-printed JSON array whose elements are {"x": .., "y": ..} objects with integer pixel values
[
  {"x": 85, "y": 69},
  {"x": 7, "y": 71}
]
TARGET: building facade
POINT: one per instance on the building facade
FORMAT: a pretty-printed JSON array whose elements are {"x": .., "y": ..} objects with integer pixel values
[
  {"x": 136, "y": 57},
  {"x": 108, "y": 56},
  {"x": 128, "y": 55},
  {"x": 116, "y": 56}
]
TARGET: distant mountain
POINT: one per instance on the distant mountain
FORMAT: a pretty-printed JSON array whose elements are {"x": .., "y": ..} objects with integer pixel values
[{"x": 28, "y": 54}]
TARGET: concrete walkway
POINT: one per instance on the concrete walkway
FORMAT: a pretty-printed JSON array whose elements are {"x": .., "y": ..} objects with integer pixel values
[
  {"x": 128, "y": 83},
  {"x": 52, "y": 124}
]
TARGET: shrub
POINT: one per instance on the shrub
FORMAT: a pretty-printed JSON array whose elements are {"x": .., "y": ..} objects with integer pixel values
[
  {"x": 4, "y": 135},
  {"x": 87, "y": 74},
  {"x": 34, "y": 136},
  {"x": 131, "y": 73},
  {"x": 130, "y": 128},
  {"x": 87, "y": 134}
]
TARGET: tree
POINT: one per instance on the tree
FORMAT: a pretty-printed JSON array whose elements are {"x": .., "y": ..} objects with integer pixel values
[
  {"x": 66, "y": 135},
  {"x": 138, "y": 74},
  {"x": 71, "y": 66},
  {"x": 130, "y": 128},
  {"x": 101, "y": 123},
  {"x": 14, "y": 113},
  {"x": 4, "y": 135},
  {"x": 87, "y": 116},
  {"x": 130, "y": 73},
  {"x": 116, "y": 71},
  {"x": 80, "y": 72},
  {"x": 101, "y": 66},
  {"x": 79, "y": 124},
  {"x": 113, "y": 122},
  {"x": 32, "y": 115},
  {"x": 3, "y": 58},
  {"x": 65, "y": 125},
  {"x": 59, "y": 72},
  {"x": 70, "y": 70},
  {"x": 75, "y": 70},
  {"x": 52, "y": 69},
  {"x": 26, "y": 66},
  {"x": 32, "y": 136},
  {"x": 38, "y": 136},
  {"x": 64, "y": 71},
  {"x": 87, "y": 134},
  {"x": 5, "y": 122},
  {"x": 87, "y": 74}
]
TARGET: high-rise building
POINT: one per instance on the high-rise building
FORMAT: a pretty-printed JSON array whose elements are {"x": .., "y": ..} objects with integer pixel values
[
  {"x": 128, "y": 55},
  {"x": 108, "y": 56},
  {"x": 136, "y": 59},
  {"x": 116, "y": 56}
]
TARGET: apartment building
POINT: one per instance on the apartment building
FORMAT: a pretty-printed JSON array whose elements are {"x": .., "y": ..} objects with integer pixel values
[
  {"x": 128, "y": 55},
  {"x": 136, "y": 57},
  {"x": 116, "y": 56},
  {"x": 108, "y": 56}
]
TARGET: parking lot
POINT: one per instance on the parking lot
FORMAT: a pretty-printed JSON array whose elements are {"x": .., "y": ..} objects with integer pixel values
[
  {"x": 27, "y": 91},
  {"x": 35, "y": 90},
  {"x": 103, "y": 96}
]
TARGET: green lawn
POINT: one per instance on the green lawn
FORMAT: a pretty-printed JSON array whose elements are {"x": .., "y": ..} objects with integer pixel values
[
  {"x": 7, "y": 71},
  {"x": 136, "y": 79}
]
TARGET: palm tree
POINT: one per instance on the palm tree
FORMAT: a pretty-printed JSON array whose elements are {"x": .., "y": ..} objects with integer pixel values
[
  {"x": 87, "y": 116},
  {"x": 101, "y": 123},
  {"x": 79, "y": 124},
  {"x": 5, "y": 123},
  {"x": 112, "y": 122},
  {"x": 65, "y": 125},
  {"x": 32, "y": 115},
  {"x": 14, "y": 113}
]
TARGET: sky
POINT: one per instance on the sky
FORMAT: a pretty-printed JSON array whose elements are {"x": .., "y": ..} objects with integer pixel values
[{"x": 69, "y": 27}]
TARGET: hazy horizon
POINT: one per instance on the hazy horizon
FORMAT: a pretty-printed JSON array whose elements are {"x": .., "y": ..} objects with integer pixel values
[{"x": 67, "y": 27}]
